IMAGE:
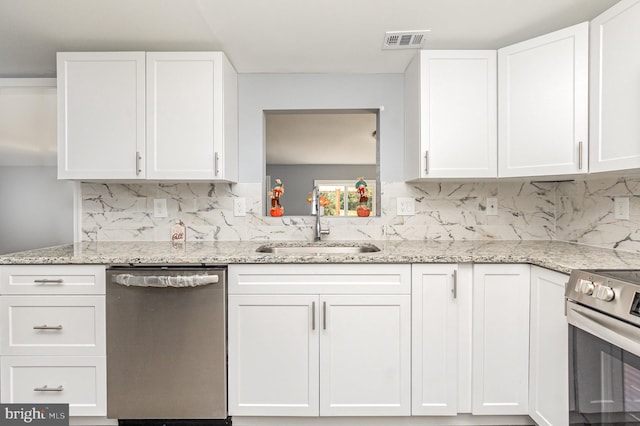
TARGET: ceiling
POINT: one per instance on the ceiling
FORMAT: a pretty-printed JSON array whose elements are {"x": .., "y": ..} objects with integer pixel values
[
  {"x": 273, "y": 36},
  {"x": 321, "y": 137}
]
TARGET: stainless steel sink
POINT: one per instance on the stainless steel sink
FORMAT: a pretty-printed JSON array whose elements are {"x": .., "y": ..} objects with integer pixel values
[{"x": 317, "y": 249}]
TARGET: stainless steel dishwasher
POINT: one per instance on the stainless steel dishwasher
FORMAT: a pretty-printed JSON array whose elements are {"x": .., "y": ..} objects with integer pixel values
[{"x": 166, "y": 343}]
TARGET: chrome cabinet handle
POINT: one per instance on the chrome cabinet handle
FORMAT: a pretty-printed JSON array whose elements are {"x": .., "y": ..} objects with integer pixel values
[
  {"x": 580, "y": 155},
  {"x": 138, "y": 158},
  {"x": 217, "y": 164},
  {"x": 426, "y": 162},
  {"x": 313, "y": 315},
  {"x": 46, "y": 388},
  {"x": 47, "y": 327},
  {"x": 454, "y": 290},
  {"x": 49, "y": 281},
  {"x": 324, "y": 315}
]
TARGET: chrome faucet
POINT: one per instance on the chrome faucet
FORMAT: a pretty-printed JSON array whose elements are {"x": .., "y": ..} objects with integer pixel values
[{"x": 315, "y": 210}]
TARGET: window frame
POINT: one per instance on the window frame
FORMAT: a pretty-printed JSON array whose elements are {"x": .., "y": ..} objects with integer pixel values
[{"x": 348, "y": 185}]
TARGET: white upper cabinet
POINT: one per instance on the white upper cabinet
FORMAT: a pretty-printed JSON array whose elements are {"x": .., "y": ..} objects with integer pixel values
[
  {"x": 190, "y": 103},
  {"x": 191, "y": 116},
  {"x": 543, "y": 104},
  {"x": 615, "y": 85},
  {"x": 450, "y": 115},
  {"x": 101, "y": 111}
]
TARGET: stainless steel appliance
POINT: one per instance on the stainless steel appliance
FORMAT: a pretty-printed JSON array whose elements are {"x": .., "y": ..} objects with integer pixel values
[
  {"x": 166, "y": 343},
  {"x": 603, "y": 311}
]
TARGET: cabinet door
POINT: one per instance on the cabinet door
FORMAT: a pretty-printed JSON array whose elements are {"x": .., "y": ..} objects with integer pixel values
[
  {"x": 501, "y": 339},
  {"x": 451, "y": 114},
  {"x": 365, "y": 355},
  {"x": 101, "y": 115},
  {"x": 543, "y": 104},
  {"x": 434, "y": 331},
  {"x": 273, "y": 355},
  {"x": 549, "y": 371},
  {"x": 185, "y": 115},
  {"x": 615, "y": 84}
]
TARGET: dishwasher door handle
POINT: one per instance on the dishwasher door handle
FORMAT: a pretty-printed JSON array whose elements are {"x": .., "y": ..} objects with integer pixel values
[{"x": 131, "y": 280}]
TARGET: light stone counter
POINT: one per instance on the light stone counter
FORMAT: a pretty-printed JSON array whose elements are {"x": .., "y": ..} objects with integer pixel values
[{"x": 559, "y": 256}]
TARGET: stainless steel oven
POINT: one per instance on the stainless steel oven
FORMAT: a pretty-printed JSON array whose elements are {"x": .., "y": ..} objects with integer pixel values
[{"x": 603, "y": 311}]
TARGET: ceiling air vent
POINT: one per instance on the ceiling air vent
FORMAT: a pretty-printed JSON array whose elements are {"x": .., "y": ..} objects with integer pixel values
[{"x": 404, "y": 39}]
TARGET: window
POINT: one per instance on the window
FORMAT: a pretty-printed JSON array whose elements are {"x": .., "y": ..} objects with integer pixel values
[{"x": 338, "y": 204}]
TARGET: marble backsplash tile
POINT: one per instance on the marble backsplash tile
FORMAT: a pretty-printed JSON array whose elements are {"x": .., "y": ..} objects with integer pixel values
[
  {"x": 444, "y": 211},
  {"x": 576, "y": 211},
  {"x": 586, "y": 214}
]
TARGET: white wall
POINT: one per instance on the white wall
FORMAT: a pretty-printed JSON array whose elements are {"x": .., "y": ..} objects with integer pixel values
[
  {"x": 36, "y": 209},
  {"x": 259, "y": 92}
]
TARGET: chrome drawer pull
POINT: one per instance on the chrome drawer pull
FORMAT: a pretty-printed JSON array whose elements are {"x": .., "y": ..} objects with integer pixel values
[
  {"x": 46, "y": 388},
  {"x": 48, "y": 281},
  {"x": 46, "y": 327}
]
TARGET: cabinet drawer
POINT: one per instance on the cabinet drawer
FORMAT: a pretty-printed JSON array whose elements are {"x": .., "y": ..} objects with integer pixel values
[
  {"x": 320, "y": 279},
  {"x": 52, "y": 279},
  {"x": 77, "y": 381},
  {"x": 52, "y": 325}
]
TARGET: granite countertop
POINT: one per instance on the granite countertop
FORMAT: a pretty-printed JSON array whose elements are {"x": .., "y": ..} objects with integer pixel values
[{"x": 556, "y": 255}]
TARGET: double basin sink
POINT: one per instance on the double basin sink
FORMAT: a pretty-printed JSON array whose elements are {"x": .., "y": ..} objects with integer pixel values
[{"x": 317, "y": 248}]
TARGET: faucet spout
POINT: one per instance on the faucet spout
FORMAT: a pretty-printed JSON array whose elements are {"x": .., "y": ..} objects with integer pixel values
[{"x": 315, "y": 210}]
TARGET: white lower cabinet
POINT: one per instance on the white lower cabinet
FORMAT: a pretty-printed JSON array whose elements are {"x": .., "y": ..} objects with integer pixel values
[
  {"x": 501, "y": 339},
  {"x": 441, "y": 339},
  {"x": 319, "y": 354},
  {"x": 365, "y": 349},
  {"x": 398, "y": 340},
  {"x": 549, "y": 352},
  {"x": 53, "y": 337},
  {"x": 74, "y": 380},
  {"x": 273, "y": 355}
]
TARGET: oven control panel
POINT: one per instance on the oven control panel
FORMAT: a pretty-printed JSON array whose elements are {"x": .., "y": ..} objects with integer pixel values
[
  {"x": 613, "y": 292},
  {"x": 597, "y": 290}
]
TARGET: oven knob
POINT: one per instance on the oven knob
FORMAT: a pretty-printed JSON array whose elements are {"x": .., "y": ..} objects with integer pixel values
[
  {"x": 587, "y": 287},
  {"x": 605, "y": 293}
]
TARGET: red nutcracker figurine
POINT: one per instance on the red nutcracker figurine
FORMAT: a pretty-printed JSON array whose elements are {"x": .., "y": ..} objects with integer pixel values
[
  {"x": 276, "y": 208},
  {"x": 362, "y": 209}
]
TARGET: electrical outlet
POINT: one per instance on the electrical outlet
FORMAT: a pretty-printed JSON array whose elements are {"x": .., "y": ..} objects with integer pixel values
[
  {"x": 240, "y": 206},
  {"x": 160, "y": 207},
  {"x": 621, "y": 208},
  {"x": 406, "y": 206},
  {"x": 492, "y": 206}
]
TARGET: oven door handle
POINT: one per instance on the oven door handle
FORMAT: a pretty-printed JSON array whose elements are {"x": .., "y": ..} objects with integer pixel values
[{"x": 609, "y": 329}]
